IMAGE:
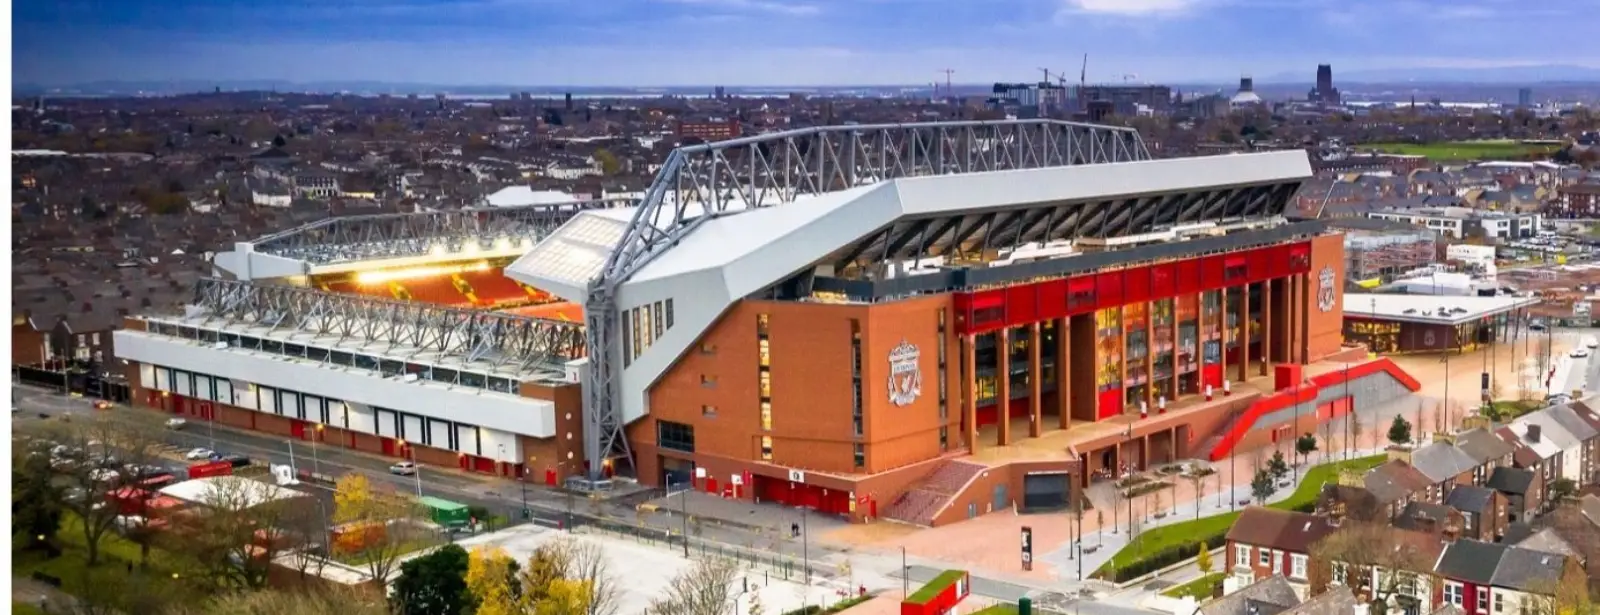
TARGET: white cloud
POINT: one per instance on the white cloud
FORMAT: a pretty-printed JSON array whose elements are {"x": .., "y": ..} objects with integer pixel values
[{"x": 1131, "y": 8}]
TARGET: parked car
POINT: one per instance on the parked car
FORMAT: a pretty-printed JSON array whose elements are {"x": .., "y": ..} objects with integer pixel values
[
  {"x": 238, "y": 461},
  {"x": 404, "y": 468},
  {"x": 199, "y": 454},
  {"x": 101, "y": 404},
  {"x": 176, "y": 423},
  {"x": 1580, "y": 353}
]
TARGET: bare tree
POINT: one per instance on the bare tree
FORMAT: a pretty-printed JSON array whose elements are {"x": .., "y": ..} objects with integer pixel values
[
  {"x": 1198, "y": 481},
  {"x": 705, "y": 589},
  {"x": 324, "y": 602},
  {"x": 1327, "y": 439},
  {"x": 1355, "y": 428},
  {"x": 100, "y": 456},
  {"x": 238, "y": 529},
  {"x": 1374, "y": 560}
]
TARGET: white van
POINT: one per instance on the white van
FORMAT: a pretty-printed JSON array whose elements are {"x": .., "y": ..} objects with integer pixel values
[{"x": 1591, "y": 343}]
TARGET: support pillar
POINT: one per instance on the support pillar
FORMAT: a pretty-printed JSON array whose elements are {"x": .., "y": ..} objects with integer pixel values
[
  {"x": 1267, "y": 355},
  {"x": 1150, "y": 356},
  {"x": 1064, "y": 372},
  {"x": 1002, "y": 383},
  {"x": 1289, "y": 319},
  {"x": 1244, "y": 333},
  {"x": 1122, "y": 361},
  {"x": 1307, "y": 292},
  {"x": 1035, "y": 382},
  {"x": 1222, "y": 326},
  {"x": 1172, "y": 382},
  {"x": 969, "y": 390}
]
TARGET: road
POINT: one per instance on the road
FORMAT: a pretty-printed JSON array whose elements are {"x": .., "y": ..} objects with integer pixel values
[{"x": 548, "y": 506}]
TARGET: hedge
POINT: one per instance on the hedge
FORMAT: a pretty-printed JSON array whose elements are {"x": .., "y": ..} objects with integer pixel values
[{"x": 932, "y": 588}]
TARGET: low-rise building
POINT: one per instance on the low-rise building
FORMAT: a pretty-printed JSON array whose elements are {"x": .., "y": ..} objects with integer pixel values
[{"x": 1267, "y": 542}]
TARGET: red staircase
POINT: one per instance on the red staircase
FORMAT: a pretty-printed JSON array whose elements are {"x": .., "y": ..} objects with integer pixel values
[
  {"x": 1222, "y": 444},
  {"x": 920, "y": 504}
]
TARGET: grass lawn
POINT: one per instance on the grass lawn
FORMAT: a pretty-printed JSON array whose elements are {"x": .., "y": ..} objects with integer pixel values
[
  {"x": 1187, "y": 535},
  {"x": 1201, "y": 589},
  {"x": 23, "y": 608},
  {"x": 115, "y": 552},
  {"x": 1463, "y": 150},
  {"x": 933, "y": 587},
  {"x": 1508, "y": 409}
]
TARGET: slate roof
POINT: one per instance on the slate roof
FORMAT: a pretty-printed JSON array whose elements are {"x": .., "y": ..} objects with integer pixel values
[
  {"x": 1279, "y": 529},
  {"x": 1269, "y": 596},
  {"x": 1528, "y": 570},
  {"x": 1589, "y": 505},
  {"x": 1546, "y": 541},
  {"x": 1441, "y": 461},
  {"x": 1423, "y": 517},
  {"x": 1394, "y": 480},
  {"x": 1471, "y": 499},
  {"x": 1336, "y": 601},
  {"x": 1511, "y": 480},
  {"x": 1569, "y": 419},
  {"x": 1470, "y": 561},
  {"x": 1483, "y": 445}
]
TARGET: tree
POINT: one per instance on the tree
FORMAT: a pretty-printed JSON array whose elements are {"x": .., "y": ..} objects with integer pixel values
[
  {"x": 1305, "y": 445},
  {"x": 433, "y": 583},
  {"x": 1278, "y": 466},
  {"x": 237, "y": 530},
  {"x": 489, "y": 580},
  {"x": 1356, "y": 428},
  {"x": 1100, "y": 522},
  {"x": 356, "y": 502},
  {"x": 1399, "y": 430},
  {"x": 609, "y": 165},
  {"x": 1362, "y": 549},
  {"x": 1202, "y": 559},
  {"x": 108, "y": 448},
  {"x": 1262, "y": 486},
  {"x": 36, "y": 506},
  {"x": 583, "y": 566},
  {"x": 705, "y": 589},
  {"x": 1198, "y": 481},
  {"x": 754, "y": 607},
  {"x": 1561, "y": 490}
]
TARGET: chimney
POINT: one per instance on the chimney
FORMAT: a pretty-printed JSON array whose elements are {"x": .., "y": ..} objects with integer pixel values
[
  {"x": 1400, "y": 452},
  {"x": 1534, "y": 431},
  {"x": 1475, "y": 421},
  {"x": 1351, "y": 478},
  {"x": 1362, "y": 609}
]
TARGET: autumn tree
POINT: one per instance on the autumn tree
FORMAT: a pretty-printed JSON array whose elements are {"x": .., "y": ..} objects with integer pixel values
[
  {"x": 490, "y": 579},
  {"x": 608, "y": 162},
  {"x": 705, "y": 589},
  {"x": 384, "y": 519},
  {"x": 574, "y": 566},
  {"x": 1202, "y": 559},
  {"x": 238, "y": 528}
]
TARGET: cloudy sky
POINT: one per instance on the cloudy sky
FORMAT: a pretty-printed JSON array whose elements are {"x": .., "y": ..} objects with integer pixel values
[{"x": 789, "y": 42}]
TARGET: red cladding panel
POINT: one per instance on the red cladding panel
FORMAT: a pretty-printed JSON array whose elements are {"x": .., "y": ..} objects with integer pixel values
[
  {"x": 1022, "y": 304},
  {"x": 1188, "y": 276},
  {"x": 1053, "y": 299},
  {"x": 1108, "y": 289},
  {"x": 1211, "y": 272},
  {"x": 1110, "y": 404},
  {"x": 1163, "y": 280},
  {"x": 1299, "y": 258},
  {"x": 1081, "y": 295},
  {"x": 1136, "y": 285}
]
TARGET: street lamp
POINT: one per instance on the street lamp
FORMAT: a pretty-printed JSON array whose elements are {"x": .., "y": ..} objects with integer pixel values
[
  {"x": 683, "y": 512},
  {"x": 316, "y": 463},
  {"x": 416, "y": 469}
]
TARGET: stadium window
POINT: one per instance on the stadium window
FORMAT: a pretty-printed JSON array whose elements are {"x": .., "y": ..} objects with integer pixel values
[
  {"x": 271, "y": 346},
  {"x": 761, "y": 324},
  {"x": 294, "y": 350},
  {"x": 675, "y": 436},
  {"x": 391, "y": 367},
  {"x": 669, "y": 314},
  {"x": 944, "y": 438},
  {"x": 316, "y": 354},
  {"x": 473, "y": 380},
  {"x": 709, "y": 382},
  {"x": 708, "y": 411},
  {"x": 627, "y": 346},
  {"x": 765, "y": 353},
  {"x": 766, "y": 384},
  {"x": 766, "y": 448},
  {"x": 645, "y": 328},
  {"x": 861, "y": 455},
  {"x": 766, "y": 416},
  {"x": 708, "y": 349},
  {"x": 367, "y": 362},
  {"x": 661, "y": 323}
]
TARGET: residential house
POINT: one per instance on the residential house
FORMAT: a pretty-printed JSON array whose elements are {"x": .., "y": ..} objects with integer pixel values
[
  {"x": 1584, "y": 423},
  {"x": 1487, "y": 578},
  {"x": 1336, "y": 601},
  {"x": 1484, "y": 513},
  {"x": 1396, "y": 484},
  {"x": 1266, "y": 542},
  {"x": 1523, "y": 488},
  {"x": 1445, "y": 466},
  {"x": 1350, "y": 502},
  {"x": 1536, "y": 453},
  {"x": 1486, "y": 448},
  {"x": 1431, "y": 518},
  {"x": 1270, "y": 596},
  {"x": 1395, "y": 571}
]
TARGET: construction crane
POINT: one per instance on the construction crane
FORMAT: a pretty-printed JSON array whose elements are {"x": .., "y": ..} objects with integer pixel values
[
  {"x": 1083, "y": 83},
  {"x": 948, "y": 90}
]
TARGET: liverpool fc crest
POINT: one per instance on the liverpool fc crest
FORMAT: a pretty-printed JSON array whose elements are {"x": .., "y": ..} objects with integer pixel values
[
  {"x": 1326, "y": 293},
  {"x": 905, "y": 374}
]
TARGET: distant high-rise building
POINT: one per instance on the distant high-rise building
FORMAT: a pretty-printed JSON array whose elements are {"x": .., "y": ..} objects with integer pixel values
[
  {"x": 1246, "y": 96},
  {"x": 569, "y": 101},
  {"x": 1524, "y": 98},
  {"x": 721, "y": 93},
  {"x": 1324, "y": 93}
]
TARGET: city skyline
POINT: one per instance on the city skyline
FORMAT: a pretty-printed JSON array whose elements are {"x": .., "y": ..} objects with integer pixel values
[{"x": 764, "y": 42}]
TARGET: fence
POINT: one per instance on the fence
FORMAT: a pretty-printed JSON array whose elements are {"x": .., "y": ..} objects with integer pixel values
[
  {"x": 74, "y": 381},
  {"x": 777, "y": 564}
]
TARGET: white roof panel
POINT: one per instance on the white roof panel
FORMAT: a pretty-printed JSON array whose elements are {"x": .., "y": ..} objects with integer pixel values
[
  {"x": 564, "y": 262},
  {"x": 1425, "y": 308}
]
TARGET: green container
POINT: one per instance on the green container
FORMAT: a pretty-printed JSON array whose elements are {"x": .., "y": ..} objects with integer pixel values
[
  {"x": 446, "y": 512},
  {"x": 1025, "y": 606}
]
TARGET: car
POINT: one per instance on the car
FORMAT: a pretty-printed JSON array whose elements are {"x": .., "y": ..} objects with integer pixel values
[
  {"x": 199, "y": 454},
  {"x": 176, "y": 423},
  {"x": 236, "y": 460},
  {"x": 101, "y": 404},
  {"x": 1591, "y": 343},
  {"x": 1580, "y": 353},
  {"x": 404, "y": 468},
  {"x": 1538, "y": 326}
]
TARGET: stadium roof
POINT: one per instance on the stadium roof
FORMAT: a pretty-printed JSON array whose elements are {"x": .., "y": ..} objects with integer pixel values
[
  {"x": 345, "y": 243},
  {"x": 908, "y": 217}
]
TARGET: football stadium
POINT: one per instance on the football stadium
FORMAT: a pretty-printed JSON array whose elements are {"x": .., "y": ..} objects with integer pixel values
[{"x": 924, "y": 322}]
